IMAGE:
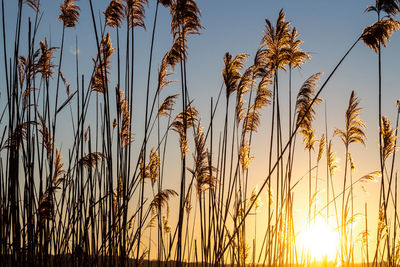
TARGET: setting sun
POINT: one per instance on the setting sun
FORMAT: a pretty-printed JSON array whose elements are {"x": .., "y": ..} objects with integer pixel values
[{"x": 319, "y": 240}]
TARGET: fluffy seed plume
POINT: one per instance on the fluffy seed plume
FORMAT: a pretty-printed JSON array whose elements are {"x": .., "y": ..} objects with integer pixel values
[
  {"x": 243, "y": 88},
  {"x": 231, "y": 73},
  {"x": 379, "y": 33},
  {"x": 99, "y": 80},
  {"x": 178, "y": 51},
  {"x": 44, "y": 64},
  {"x": 203, "y": 172},
  {"x": 114, "y": 14},
  {"x": 388, "y": 137},
  {"x": 185, "y": 17},
  {"x": 180, "y": 127},
  {"x": 321, "y": 147},
  {"x": 124, "y": 113},
  {"x": 161, "y": 200},
  {"x": 47, "y": 140},
  {"x": 244, "y": 156},
  {"x": 275, "y": 40},
  {"x": 91, "y": 159},
  {"x": 251, "y": 120},
  {"x": 135, "y": 13},
  {"x": 167, "y": 105},
  {"x": 163, "y": 72},
  {"x": 304, "y": 99},
  {"x": 69, "y": 13},
  {"x": 354, "y": 131},
  {"x": 154, "y": 166},
  {"x": 295, "y": 56},
  {"x": 331, "y": 160},
  {"x": 58, "y": 169}
]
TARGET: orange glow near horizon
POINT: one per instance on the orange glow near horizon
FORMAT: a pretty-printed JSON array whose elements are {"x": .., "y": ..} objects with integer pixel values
[{"x": 319, "y": 240}]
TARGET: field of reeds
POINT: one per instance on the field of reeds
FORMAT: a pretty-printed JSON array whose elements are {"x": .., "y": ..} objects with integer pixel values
[{"x": 83, "y": 183}]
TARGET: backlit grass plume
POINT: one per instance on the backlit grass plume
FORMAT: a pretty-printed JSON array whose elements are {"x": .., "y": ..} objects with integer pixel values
[
  {"x": 185, "y": 18},
  {"x": 354, "y": 129},
  {"x": 69, "y": 13},
  {"x": 295, "y": 56},
  {"x": 135, "y": 12},
  {"x": 161, "y": 200},
  {"x": 58, "y": 169},
  {"x": 275, "y": 40},
  {"x": 390, "y": 7},
  {"x": 114, "y": 13},
  {"x": 379, "y": 33},
  {"x": 44, "y": 64},
  {"x": 231, "y": 72},
  {"x": 304, "y": 99},
  {"x": 180, "y": 125},
  {"x": 332, "y": 161},
  {"x": 388, "y": 138},
  {"x": 99, "y": 80},
  {"x": 202, "y": 172},
  {"x": 167, "y": 105}
]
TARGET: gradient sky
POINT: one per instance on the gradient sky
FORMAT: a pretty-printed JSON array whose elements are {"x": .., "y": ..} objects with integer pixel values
[{"x": 328, "y": 28}]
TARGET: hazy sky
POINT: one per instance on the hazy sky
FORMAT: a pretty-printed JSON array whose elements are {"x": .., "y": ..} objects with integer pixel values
[{"x": 328, "y": 28}]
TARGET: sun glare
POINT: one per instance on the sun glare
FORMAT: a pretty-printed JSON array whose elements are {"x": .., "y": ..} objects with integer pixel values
[{"x": 319, "y": 240}]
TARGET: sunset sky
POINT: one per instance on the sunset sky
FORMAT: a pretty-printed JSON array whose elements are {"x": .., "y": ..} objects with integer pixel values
[{"x": 327, "y": 28}]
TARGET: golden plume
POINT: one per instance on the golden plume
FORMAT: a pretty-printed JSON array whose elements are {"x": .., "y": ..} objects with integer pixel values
[
  {"x": 275, "y": 39},
  {"x": 388, "y": 137},
  {"x": 354, "y": 131},
  {"x": 124, "y": 113},
  {"x": 332, "y": 161},
  {"x": 44, "y": 65},
  {"x": 163, "y": 72},
  {"x": 378, "y": 33},
  {"x": 58, "y": 169},
  {"x": 185, "y": 17},
  {"x": 295, "y": 56},
  {"x": 321, "y": 150},
  {"x": 154, "y": 165},
  {"x": 180, "y": 127},
  {"x": 308, "y": 137},
  {"x": 167, "y": 106},
  {"x": 135, "y": 13},
  {"x": 203, "y": 171},
  {"x": 243, "y": 88},
  {"x": 69, "y": 13},
  {"x": 47, "y": 140},
  {"x": 304, "y": 99},
  {"x": 177, "y": 52},
  {"x": 244, "y": 155},
  {"x": 114, "y": 14},
  {"x": 231, "y": 73},
  {"x": 99, "y": 80}
]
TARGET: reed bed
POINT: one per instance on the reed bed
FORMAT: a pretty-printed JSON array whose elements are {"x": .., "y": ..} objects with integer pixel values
[{"x": 105, "y": 197}]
